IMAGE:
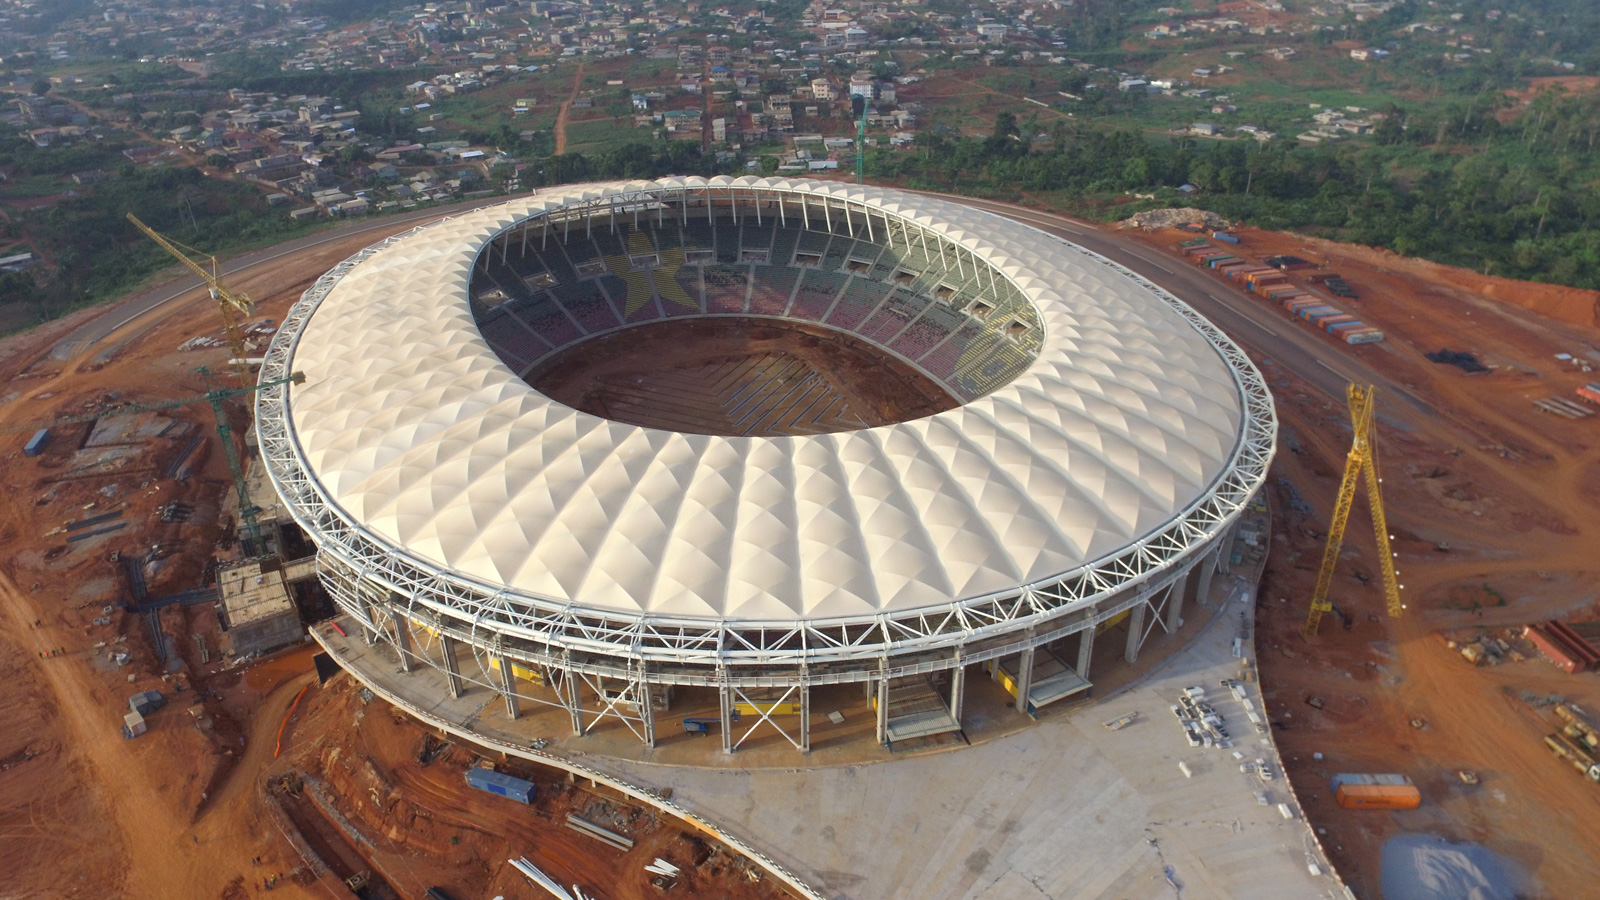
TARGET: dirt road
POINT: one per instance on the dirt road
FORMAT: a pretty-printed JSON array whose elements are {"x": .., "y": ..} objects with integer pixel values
[{"x": 566, "y": 111}]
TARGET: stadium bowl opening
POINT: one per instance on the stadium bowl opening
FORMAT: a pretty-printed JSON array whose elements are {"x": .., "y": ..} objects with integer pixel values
[{"x": 708, "y": 446}]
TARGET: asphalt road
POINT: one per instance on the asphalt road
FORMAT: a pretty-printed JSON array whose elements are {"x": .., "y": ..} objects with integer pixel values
[
  {"x": 126, "y": 311},
  {"x": 1326, "y": 364}
]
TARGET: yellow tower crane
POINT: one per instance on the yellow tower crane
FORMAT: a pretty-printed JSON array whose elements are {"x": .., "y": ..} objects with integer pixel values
[
  {"x": 1363, "y": 459},
  {"x": 234, "y": 305}
]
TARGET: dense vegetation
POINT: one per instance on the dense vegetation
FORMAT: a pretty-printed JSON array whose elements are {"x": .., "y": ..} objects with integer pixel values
[
  {"x": 1520, "y": 199},
  {"x": 94, "y": 253}
]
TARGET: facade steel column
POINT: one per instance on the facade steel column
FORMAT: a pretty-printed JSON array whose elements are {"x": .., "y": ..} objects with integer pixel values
[
  {"x": 1135, "y": 631},
  {"x": 452, "y": 667},
  {"x": 402, "y": 637},
  {"x": 508, "y": 687},
  {"x": 883, "y": 706},
  {"x": 569, "y": 686},
  {"x": 1175, "y": 593},
  {"x": 958, "y": 685},
  {"x": 369, "y": 623},
  {"x": 805, "y": 714},
  {"x": 647, "y": 711},
  {"x": 725, "y": 695}
]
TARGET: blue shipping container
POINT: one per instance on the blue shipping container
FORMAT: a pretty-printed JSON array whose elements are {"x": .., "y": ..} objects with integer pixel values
[
  {"x": 503, "y": 785},
  {"x": 35, "y": 444},
  {"x": 1224, "y": 236}
]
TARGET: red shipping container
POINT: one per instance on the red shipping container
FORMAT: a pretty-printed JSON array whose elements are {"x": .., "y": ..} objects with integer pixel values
[{"x": 1550, "y": 648}]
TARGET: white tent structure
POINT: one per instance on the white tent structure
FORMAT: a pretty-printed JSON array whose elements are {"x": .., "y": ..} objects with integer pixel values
[{"x": 450, "y": 499}]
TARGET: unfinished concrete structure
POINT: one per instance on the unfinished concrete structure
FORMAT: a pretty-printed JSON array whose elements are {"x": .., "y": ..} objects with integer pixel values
[
  {"x": 256, "y": 611},
  {"x": 1098, "y": 444}
]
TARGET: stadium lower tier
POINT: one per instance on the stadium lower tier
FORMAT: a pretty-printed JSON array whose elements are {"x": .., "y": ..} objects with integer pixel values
[{"x": 913, "y": 696}]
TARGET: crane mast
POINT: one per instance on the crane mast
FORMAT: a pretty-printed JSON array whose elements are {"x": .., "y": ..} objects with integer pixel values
[
  {"x": 234, "y": 306},
  {"x": 1361, "y": 461}
]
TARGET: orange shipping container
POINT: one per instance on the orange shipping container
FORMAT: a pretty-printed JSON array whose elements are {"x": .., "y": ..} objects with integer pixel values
[{"x": 1378, "y": 796}]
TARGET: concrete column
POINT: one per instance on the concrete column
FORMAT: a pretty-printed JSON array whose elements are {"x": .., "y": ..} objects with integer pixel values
[
  {"x": 1024, "y": 678},
  {"x": 883, "y": 709},
  {"x": 508, "y": 688},
  {"x": 958, "y": 685},
  {"x": 1208, "y": 567},
  {"x": 1135, "y": 631},
  {"x": 725, "y": 695},
  {"x": 452, "y": 667},
  {"x": 569, "y": 686},
  {"x": 402, "y": 637},
  {"x": 805, "y": 714},
  {"x": 1085, "y": 651},
  {"x": 1175, "y": 593},
  {"x": 647, "y": 712}
]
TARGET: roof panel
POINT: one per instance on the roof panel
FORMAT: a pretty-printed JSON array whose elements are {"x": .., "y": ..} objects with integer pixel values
[{"x": 410, "y": 424}]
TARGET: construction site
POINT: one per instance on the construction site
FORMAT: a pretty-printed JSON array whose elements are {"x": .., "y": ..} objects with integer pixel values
[{"x": 131, "y": 570}]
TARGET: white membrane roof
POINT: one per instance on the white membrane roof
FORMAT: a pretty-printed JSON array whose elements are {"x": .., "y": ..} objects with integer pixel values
[{"x": 414, "y": 428}]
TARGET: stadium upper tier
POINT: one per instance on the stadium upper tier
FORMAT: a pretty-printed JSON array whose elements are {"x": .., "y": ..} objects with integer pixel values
[
  {"x": 1105, "y": 428},
  {"x": 542, "y": 289}
]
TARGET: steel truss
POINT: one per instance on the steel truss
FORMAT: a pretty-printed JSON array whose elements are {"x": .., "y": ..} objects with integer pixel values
[{"x": 363, "y": 571}]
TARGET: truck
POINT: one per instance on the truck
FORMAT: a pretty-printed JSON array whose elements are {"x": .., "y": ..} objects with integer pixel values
[
  {"x": 501, "y": 785},
  {"x": 35, "y": 444},
  {"x": 146, "y": 702}
]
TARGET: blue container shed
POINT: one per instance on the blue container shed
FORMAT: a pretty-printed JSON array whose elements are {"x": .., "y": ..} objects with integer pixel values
[
  {"x": 35, "y": 445},
  {"x": 503, "y": 785}
]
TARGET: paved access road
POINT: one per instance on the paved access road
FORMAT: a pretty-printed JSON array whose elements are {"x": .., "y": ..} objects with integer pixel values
[
  {"x": 125, "y": 311},
  {"x": 1324, "y": 363}
]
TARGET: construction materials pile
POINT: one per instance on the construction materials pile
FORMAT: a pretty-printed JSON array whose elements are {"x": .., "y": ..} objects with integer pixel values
[
  {"x": 1466, "y": 362},
  {"x": 1576, "y": 742},
  {"x": 1154, "y": 219}
]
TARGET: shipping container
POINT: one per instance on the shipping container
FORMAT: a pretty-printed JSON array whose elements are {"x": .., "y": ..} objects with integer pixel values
[
  {"x": 1340, "y": 329},
  {"x": 502, "y": 785},
  {"x": 1359, "y": 778},
  {"x": 1224, "y": 236},
  {"x": 35, "y": 444},
  {"x": 1590, "y": 392},
  {"x": 132, "y": 725},
  {"x": 1565, "y": 658},
  {"x": 1332, "y": 322},
  {"x": 1378, "y": 796},
  {"x": 1368, "y": 336}
]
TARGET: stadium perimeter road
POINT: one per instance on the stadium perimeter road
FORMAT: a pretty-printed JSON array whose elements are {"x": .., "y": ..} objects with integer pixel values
[
  {"x": 1316, "y": 359},
  {"x": 126, "y": 311}
]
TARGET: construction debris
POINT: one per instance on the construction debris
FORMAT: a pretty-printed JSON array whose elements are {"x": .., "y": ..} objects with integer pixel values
[{"x": 1154, "y": 219}]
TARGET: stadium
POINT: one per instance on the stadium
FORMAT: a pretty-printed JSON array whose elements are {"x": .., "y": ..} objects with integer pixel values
[{"x": 641, "y": 450}]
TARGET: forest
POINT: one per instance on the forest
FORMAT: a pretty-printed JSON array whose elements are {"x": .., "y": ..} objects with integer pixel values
[{"x": 1517, "y": 198}]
